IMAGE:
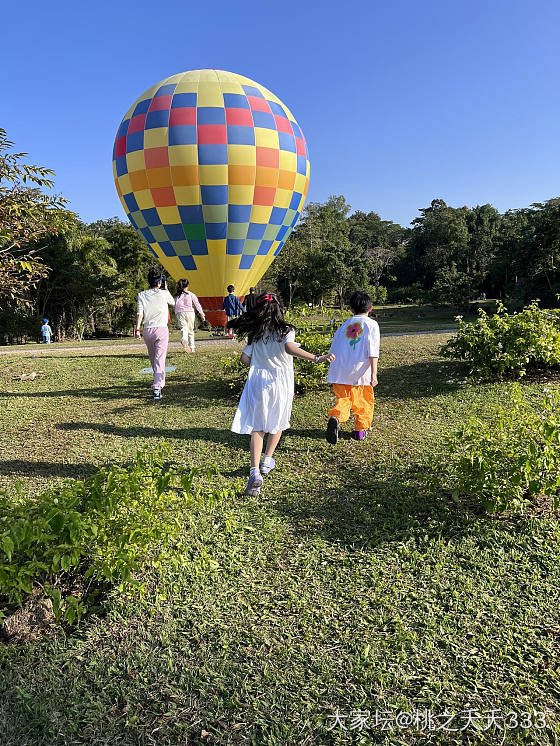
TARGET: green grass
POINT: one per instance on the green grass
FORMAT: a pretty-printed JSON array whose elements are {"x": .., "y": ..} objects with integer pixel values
[{"x": 351, "y": 583}]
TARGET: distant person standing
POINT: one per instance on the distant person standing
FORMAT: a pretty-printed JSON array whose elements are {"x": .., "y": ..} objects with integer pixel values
[
  {"x": 46, "y": 332},
  {"x": 152, "y": 310},
  {"x": 250, "y": 300},
  {"x": 185, "y": 303},
  {"x": 233, "y": 307}
]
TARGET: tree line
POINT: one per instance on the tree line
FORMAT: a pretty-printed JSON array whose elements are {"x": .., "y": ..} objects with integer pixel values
[
  {"x": 84, "y": 277},
  {"x": 449, "y": 255}
]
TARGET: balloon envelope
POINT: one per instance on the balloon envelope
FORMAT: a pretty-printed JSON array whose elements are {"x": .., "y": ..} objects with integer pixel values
[{"x": 212, "y": 169}]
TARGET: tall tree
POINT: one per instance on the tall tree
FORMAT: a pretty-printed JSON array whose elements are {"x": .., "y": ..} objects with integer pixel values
[{"x": 26, "y": 214}]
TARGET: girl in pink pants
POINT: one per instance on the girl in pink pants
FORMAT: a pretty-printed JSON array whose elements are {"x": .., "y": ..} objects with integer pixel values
[{"x": 152, "y": 310}]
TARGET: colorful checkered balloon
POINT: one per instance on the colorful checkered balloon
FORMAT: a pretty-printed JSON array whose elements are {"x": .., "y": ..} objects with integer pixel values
[{"x": 212, "y": 169}]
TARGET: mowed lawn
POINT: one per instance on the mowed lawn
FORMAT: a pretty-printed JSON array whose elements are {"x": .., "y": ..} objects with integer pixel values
[{"x": 353, "y": 583}]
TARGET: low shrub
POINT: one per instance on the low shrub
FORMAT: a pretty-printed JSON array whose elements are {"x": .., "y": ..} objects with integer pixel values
[
  {"x": 93, "y": 533},
  {"x": 307, "y": 375},
  {"x": 504, "y": 462},
  {"x": 507, "y": 345}
]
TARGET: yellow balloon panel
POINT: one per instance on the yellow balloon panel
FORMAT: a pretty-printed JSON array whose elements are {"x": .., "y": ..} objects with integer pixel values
[{"x": 213, "y": 170}]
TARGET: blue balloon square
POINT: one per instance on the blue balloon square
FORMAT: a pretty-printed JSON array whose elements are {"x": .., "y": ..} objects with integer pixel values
[
  {"x": 264, "y": 248},
  {"x": 165, "y": 90},
  {"x": 264, "y": 119},
  {"x": 239, "y": 213},
  {"x": 182, "y": 134},
  {"x": 151, "y": 216},
  {"x": 147, "y": 233},
  {"x": 252, "y": 91},
  {"x": 183, "y": 101},
  {"x": 198, "y": 247},
  {"x": 175, "y": 232},
  {"x": 237, "y": 134},
  {"x": 277, "y": 109},
  {"x": 167, "y": 248},
  {"x": 301, "y": 164},
  {"x": 235, "y": 101},
  {"x": 210, "y": 115},
  {"x": 135, "y": 141},
  {"x": 287, "y": 142},
  {"x": 212, "y": 155},
  {"x": 131, "y": 203},
  {"x": 121, "y": 166},
  {"x": 214, "y": 195},
  {"x": 188, "y": 262},
  {"x": 191, "y": 213},
  {"x": 158, "y": 118},
  {"x": 256, "y": 230},
  {"x": 296, "y": 130},
  {"x": 235, "y": 245},
  {"x": 294, "y": 202},
  {"x": 216, "y": 231},
  {"x": 123, "y": 129},
  {"x": 277, "y": 215},
  {"x": 142, "y": 107},
  {"x": 246, "y": 261}
]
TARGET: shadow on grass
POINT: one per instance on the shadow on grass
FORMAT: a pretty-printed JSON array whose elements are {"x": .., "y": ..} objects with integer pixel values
[
  {"x": 210, "y": 434},
  {"x": 202, "y": 394},
  {"x": 418, "y": 380},
  {"x": 47, "y": 469},
  {"x": 368, "y": 509}
]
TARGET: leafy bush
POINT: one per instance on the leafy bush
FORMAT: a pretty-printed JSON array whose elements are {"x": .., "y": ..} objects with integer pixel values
[
  {"x": 504, "y": 345},
  {"x": 93, "y": 533},
  {"x": 307, "y": 375},
  {"x": 506, "y": 461}
]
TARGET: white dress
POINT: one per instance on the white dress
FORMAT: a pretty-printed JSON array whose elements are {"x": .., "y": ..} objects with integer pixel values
[{"x": 266, "y": 401}]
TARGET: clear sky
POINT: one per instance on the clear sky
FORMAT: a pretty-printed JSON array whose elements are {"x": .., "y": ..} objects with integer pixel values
[{"x": 401, "y": 101}]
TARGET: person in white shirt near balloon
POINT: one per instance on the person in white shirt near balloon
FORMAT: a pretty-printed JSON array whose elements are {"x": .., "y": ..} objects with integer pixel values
[
  {"x": 185, "y": 303},
  {"x": 153, "y": 311},
  {"x": 353, "y": 373}
]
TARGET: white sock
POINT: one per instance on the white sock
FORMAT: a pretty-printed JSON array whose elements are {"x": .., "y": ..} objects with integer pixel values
[
  {"x": 254, "y": 470},
  {"x": 267, "y": 460}
]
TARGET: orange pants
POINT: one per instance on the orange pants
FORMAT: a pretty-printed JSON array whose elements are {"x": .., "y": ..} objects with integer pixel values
[{"x": 360, "y": 399}]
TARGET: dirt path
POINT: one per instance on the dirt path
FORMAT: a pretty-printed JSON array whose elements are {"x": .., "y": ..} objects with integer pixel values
[{"x": 139, "y": 345}]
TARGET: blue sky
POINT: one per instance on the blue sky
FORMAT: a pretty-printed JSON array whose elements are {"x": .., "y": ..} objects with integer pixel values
[{"x": 401, "y": 101}]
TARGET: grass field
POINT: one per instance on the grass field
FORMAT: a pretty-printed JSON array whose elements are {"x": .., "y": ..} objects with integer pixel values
[{"x": 353, "y": 583}]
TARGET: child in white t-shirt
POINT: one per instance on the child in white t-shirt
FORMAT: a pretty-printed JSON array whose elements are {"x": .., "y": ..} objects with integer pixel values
[{"x": 353, "y": 373}]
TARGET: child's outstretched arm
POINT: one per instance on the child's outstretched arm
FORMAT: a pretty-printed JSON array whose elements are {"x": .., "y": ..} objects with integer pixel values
[
  {"x": 293, "y": 349},
  {"x": 373, "y": 363}
]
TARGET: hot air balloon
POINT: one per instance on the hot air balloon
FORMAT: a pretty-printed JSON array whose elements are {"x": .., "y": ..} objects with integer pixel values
[{"x": 212, "y": 169}]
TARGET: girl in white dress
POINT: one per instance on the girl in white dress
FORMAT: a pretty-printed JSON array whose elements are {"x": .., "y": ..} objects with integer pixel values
[{"x": 266, "y": 402}]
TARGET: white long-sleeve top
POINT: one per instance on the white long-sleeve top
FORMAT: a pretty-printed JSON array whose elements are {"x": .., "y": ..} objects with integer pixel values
[{"x": 152, "y": 307}]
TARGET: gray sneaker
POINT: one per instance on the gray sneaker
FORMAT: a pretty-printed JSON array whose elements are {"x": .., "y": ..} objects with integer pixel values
[
  {"x": 266, "y": 468},
  {"x": 254, "y": 485}
]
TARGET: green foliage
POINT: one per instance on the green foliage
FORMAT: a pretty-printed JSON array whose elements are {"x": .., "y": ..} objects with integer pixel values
[
  {"x": 507, "y": 345},
  {"x": 504, "y": 462},
  {"x": 92, "y": 533},
  {"x": 26, "y": 213},
  {"x": 307, "y": 375},
  {"x": 234, "y": 371}
]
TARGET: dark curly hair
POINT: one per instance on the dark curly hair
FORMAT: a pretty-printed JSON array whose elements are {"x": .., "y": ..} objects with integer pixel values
[{"x": 265, "y": 321}]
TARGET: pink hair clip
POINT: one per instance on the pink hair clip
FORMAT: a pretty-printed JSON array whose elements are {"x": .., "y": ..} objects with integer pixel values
[{"x": 268, "y": 296}]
